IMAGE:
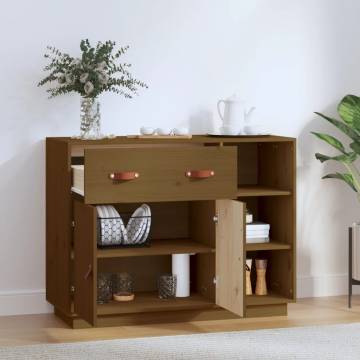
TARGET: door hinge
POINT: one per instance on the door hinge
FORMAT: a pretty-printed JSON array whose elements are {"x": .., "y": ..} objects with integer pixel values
[
  {"x": 72, "y": 289},
  {"x": 216, "y": 219},
  {"x": 73, "y": 223},
  {"x": 215, "y": 280}
]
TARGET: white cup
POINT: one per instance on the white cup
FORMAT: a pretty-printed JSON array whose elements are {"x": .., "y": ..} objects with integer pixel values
[
  {"x": 147, "y": 130},
  {"x": 163, "y": 131},
  {"x": 181, "y": 131}
]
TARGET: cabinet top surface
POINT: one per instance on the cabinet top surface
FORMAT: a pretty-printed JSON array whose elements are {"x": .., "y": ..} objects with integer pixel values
[{"x": 206, "y": 139}]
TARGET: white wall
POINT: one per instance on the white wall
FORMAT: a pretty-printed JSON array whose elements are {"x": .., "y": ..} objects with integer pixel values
[{"x": 289, "y": 58}]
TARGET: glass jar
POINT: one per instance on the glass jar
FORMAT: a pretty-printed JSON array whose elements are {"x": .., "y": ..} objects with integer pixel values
[
  {"x": 123, "y": 283},
  {"x": 104, "y": 288},
  {"x": 167, "y": 286}
]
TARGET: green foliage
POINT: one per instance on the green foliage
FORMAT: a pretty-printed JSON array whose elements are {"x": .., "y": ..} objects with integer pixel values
[
  {"x": 96, "y": 71},
  {"x": 349, "y": 111},
  {"x": 344, "y": 177}
]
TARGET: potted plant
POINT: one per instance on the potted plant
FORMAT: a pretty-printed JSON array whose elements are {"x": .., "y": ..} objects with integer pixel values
[
  {"x": 349, "y": 124},
  {"x": 97, "y": 70}
]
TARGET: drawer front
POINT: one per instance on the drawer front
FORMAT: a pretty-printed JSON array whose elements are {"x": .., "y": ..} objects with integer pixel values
[{"x": 159, "y": 174}]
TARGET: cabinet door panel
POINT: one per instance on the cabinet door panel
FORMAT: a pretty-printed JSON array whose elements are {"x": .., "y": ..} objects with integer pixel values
[
  {"x": 230, "y": 255},
  {"x": 85, "y": 261}
]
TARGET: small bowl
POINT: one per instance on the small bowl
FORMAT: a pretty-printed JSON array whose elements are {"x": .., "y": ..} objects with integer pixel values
[
  {"x": 147, "y": 130},
  {"x": 163, "y": 131},
  {"x": 181, "y": 131}
]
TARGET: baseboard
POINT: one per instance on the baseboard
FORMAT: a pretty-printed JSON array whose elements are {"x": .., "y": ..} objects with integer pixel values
[
  {"x": 324, "y": 285},
  {"x": 22, "y": 302}
]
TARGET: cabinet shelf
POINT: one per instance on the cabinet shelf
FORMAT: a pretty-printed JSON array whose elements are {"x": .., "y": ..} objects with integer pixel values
[
  {"x": 272, "y": 245},
  {"x": 259, "y": 190},
  {"x": 158, "y": 247},
  {"x": 150, "y": 302},
  {"x": 270, "y": 299}
]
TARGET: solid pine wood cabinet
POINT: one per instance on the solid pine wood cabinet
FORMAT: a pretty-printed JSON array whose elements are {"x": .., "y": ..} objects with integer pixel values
[{"x": 198, "y": 190}]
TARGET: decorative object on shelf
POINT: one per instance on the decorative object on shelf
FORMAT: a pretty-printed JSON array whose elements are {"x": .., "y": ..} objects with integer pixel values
[
  {"x": 112, "y": 231},
  {"x": 248, "y": 279},
  {"x": 104, "y": 288},
  {"x": 261, "y": 288},
  {"x": 123, "y": 287},
  {"x": 234, "y": 116},
  {"x": 167, "y": 286},
  {"x": 349, "y": 111},
  {"x": 149, "y": 132},
  {"x": 249, "y": 216},
  {"x": 181, "y": 269},
  {"x": 95, "y": 72},
  {"x": 257, "y": 232},
  {"x": 124, "y": 297},
  {"x": 123, "y": 283}
]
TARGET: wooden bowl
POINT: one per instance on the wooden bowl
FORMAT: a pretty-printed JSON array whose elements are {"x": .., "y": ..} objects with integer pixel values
[{"x": 124, "y": 296}]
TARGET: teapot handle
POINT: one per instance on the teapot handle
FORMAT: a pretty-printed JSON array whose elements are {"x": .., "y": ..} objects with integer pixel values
[{"x": 218, "y": 109}]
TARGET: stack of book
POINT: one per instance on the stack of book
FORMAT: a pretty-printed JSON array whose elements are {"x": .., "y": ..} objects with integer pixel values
[{"x": 257, "y": 232}]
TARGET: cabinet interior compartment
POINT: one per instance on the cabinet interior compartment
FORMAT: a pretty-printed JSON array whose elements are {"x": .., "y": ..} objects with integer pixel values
[
  {"x": 279, "y": 276},
  {"x": 266, "y": 165},
  {"x": 145, "y": 271},
  {"x": 278, "y": 211}
]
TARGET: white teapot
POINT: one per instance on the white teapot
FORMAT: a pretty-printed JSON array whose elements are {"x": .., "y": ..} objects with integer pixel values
[{"x": 234, "y": 116}]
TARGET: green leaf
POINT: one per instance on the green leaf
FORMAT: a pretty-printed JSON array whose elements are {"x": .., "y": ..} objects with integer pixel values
[
  {"x": 356, "y": 147},
  {"x": 344, "y": 177},
  {"x": 343, "y": 158},
  {"x": 331, "y": 141},
  {"x": 346, "y": 129},
  {"x": 349, "y": 110}
]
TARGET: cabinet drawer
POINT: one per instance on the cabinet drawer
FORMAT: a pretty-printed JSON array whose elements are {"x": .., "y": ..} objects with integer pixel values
[{"x": 159, "y": 174}]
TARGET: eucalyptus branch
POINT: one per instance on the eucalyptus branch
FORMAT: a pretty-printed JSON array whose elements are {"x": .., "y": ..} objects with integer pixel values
[{"x": 96, "y": 70}]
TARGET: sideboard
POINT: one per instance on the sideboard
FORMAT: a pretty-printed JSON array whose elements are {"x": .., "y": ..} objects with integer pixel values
[{"x": 198, "y": 190}]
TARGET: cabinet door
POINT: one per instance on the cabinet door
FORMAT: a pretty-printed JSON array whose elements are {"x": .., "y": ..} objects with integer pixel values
[
  {"x": 85, "y": 261},
  {"x": 230, "y": 255}
]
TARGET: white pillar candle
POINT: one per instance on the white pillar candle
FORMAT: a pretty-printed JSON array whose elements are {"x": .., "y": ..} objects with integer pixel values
[{"x": 181, "y": 268}]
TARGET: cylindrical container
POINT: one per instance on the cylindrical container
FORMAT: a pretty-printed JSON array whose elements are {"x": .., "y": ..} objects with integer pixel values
[
  {"x": 104, "y": 288},
  {"x": 248, "y": 278},
  {"x": 167, "y": 286},
  {"x": 123, "y": 283},
  {"x": 261, "y": 288},
  {"x": 181, "y": 268}
]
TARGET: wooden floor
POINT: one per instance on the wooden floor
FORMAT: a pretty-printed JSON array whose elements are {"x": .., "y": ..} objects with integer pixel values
[{"x": 46, "y": 328}]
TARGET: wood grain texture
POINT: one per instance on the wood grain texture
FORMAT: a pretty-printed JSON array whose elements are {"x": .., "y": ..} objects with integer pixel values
[
  {"x": 162, "y": 174},
  {"x": 85, "y": 262},
  {"x": 258, "y": 190},
  {"x": 158, "y": 247},
  {"x": 270, "y": 299},
  {"x": 272, "y": 245},
  {"x": 230, "y": 255},
  {"x": 58, "y": 224},
  {"x": 149, "y": 302}
]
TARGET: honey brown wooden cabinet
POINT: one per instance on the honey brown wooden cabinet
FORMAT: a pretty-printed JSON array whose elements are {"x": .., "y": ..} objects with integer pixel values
[{"x": 198, "y": 190}]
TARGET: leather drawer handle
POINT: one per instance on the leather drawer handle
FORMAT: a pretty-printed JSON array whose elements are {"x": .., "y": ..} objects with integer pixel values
[
  {"x": 126, "y": 175},
  {"x": 199, "y": 174},
  {"x": 88, "y": 273}
]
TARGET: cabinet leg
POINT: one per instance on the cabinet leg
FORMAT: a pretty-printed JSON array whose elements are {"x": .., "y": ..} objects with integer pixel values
[{"x": 350, "y": 267}]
